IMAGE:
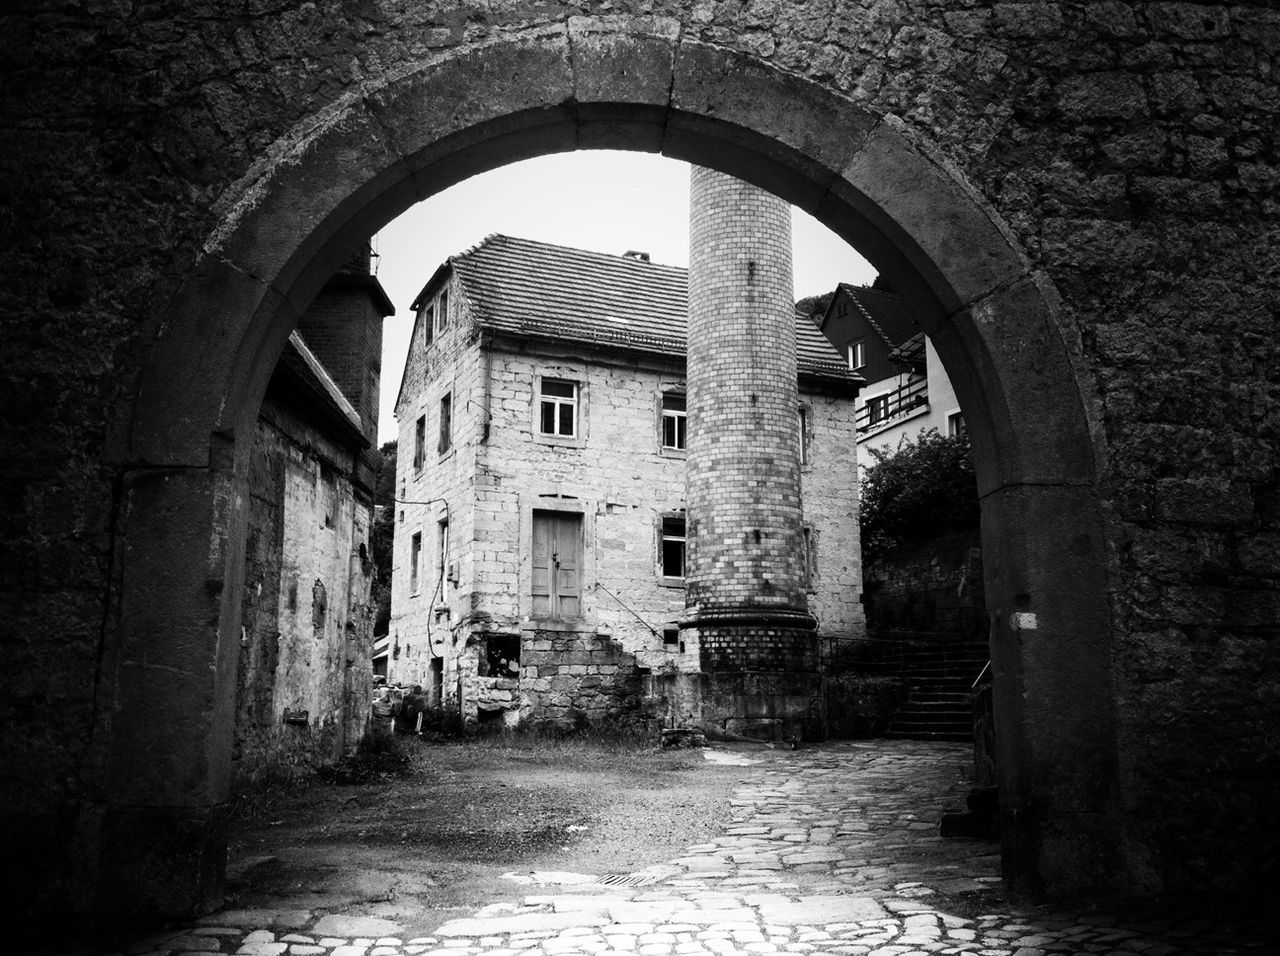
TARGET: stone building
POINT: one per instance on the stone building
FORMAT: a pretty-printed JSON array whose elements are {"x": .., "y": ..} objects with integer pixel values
[
  {"x": 540, "y": 542},
  {"x": 303, "y": 674}
]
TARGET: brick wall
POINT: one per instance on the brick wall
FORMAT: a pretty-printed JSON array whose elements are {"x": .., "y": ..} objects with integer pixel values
[{"x": 746, "y": 537}]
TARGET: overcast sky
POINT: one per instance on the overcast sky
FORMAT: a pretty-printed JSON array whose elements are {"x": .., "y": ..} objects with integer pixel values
[{"x": 602, "y": 200}]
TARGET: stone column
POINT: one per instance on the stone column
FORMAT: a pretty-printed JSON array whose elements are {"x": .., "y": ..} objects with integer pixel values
[{"x": 745, "y": 600}]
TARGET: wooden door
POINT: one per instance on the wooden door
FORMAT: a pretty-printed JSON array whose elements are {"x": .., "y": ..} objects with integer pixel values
[{"x": 557, "y": 564}]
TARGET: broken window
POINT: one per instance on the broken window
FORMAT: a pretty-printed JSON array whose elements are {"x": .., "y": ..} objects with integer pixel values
[
  {"x": 674, "y": 420},
  {"x": 501, "y": 656},
  {"x": 415, "y": 555},
  {"x": 673, "y": 546},
  {"x": 558, "y": 408},
  {"x": 446, "y": 423}
]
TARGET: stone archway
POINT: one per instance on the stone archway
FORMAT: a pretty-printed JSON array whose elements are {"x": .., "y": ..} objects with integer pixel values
[{"x": 611, "y": 82}]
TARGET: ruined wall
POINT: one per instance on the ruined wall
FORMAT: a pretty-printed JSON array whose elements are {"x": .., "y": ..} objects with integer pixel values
[
  {"x": 304, "y": 676},
  {"x": 1129, "y": 148}
]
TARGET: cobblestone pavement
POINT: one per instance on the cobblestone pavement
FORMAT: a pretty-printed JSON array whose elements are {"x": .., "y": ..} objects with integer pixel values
[{"x": 829, "y": 850}]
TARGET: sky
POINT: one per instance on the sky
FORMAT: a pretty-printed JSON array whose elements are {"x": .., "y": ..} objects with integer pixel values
[{"x": 602, "y": 200}]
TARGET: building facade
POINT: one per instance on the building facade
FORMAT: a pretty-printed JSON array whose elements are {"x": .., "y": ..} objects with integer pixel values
[
  {"x": 907, "y": 390},
  {"x": 539, "y": 570},
  {"x": 303, "y": 675}
]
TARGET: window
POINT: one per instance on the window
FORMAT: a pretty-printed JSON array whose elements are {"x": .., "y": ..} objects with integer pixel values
[
  {"x": 857, "y": 354},
  {"x": 670, "y": 636},
  {"x": 877, "y": 409},
  {"x": 673, "y": 547},
  {"x": 419, "y": 441},
  {"x": 955, "y": 424},
  {"x": 415, "y": 556},
  {"x": 428, "y": 324},
  {"x": 802, "y": 425},
  {"x": 557, "y": 564},
  {"x": 558, "y": 411},
  {"x": 674, "y": 420},
  {"x": 442, "y": 537},
  {"x": 442, "y": 311},
  {"x": 809, "y": 567},
  {"x": 446, "y": 422}
]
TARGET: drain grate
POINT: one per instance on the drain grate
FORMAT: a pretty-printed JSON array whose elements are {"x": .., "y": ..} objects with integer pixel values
[{"x": 619, "y": 880}]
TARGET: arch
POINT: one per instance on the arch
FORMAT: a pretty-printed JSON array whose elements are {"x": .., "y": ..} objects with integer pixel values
[{"x": 633, "y": 83}]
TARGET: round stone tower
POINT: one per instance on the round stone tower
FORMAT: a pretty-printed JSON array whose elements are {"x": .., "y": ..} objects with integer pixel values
[{"x": 745, "y": 607}]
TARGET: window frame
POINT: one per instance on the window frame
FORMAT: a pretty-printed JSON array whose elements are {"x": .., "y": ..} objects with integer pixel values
[
  {"x": 956, "y": 425},
  {"x": 880, "y": 402},
  {"x": 804, "y": 425},
  {"x": 419, "y": 443},
  {"x": 573, "y": 402},
  {"x": 442, "y": 554},
  {"x": 672, "y": 580},
  {"x": 444, "y": 442},
  {"x": 857, "y": 354},
  {"x": 441, "y": 306},
  {"x": 680, "y": 418},
  {"x": 809, "y": 553},
  {"x": 415, "y": 563}
]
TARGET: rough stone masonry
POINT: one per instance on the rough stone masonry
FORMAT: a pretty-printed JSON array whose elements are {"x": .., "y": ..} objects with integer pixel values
[{"x": 1083, "y": 197}]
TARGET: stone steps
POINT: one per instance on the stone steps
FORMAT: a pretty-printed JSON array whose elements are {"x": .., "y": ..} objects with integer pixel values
[{"x": 940, "y": 678}]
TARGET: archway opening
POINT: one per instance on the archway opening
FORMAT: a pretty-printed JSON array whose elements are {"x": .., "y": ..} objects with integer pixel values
[{"x": 288, "y": 225}]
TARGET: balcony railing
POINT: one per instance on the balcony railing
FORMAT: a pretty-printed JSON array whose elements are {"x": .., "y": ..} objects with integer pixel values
[{"x": 882, "y": 410}]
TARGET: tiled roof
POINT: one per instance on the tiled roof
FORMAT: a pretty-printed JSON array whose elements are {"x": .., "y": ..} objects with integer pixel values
[
  {"x": 532, "y": 288},
  {"x": 886, "y": 312}
]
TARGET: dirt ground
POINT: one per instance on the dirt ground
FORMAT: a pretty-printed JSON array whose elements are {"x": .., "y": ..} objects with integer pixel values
[{"x": 434, "y": 841}]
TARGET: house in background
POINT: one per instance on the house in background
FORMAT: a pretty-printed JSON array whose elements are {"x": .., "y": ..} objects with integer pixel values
[
  {"x": 907, "y": 390},
  {"x": 304, "y": 677},
  {"x": 539, "y": 554}
]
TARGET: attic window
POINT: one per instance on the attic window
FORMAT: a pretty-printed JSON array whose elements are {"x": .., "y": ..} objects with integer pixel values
[
  {"x": 442, "y": 311},
  {"x": 857, "y": 354}
]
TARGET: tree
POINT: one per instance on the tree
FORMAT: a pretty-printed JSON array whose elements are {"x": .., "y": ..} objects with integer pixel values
[{"x": 924, "y": 486}]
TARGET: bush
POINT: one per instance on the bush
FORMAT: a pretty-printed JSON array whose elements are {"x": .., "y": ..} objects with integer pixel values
[{"x": 913, "y": 492}]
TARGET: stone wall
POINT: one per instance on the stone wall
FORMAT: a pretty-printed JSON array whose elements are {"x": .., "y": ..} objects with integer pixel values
[
  {"x": 1126, "y": 152},
  {"x": 304, "y": 677},
  {"x": 934, "y": 587},
  {"x": 575, "y": 677}
]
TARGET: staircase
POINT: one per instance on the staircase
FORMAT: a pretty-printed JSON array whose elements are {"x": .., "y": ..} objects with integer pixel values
[{"x": 939, "y": 678}]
